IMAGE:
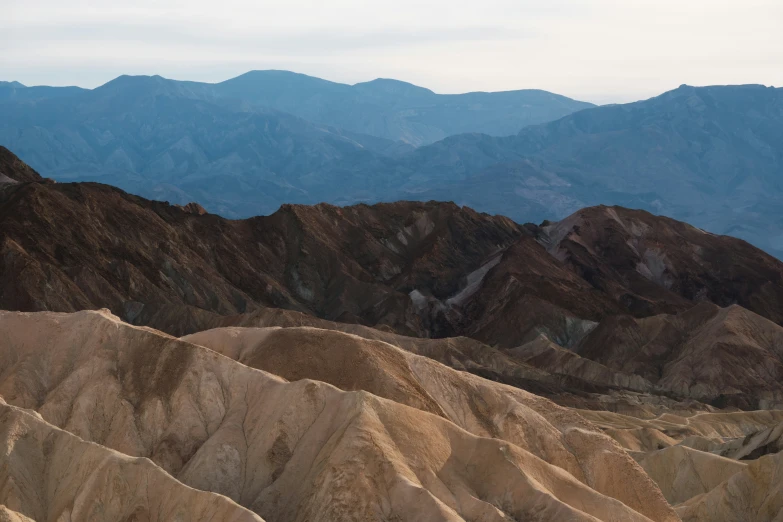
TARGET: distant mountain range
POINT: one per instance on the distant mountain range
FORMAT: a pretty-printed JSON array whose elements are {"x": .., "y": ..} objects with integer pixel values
[
  {"x": 710, "y": 155},
  {"x": 384, "y": 108},
  {"x": 15, "y": 91},
  {"x": 398, "y": 110}
]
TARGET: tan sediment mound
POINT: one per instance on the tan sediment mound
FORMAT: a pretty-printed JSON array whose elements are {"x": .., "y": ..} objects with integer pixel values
[
  {"x": 754, "y": 494},
  {"x": 755, "y": 445},
  {"x": 461, "y": 353},
  {"x": 303, "y": 450},
  {"x": 6, "y": 515},
  {"x": 704, "y": 431},
  {"x": 342, "y": 360},
  {"x": 458, "y": 352},
  {"x": 642, "y": 440},
  {"x": 546, "y": 355},
  {"x": 482, "y": 407},
  {"x": 50, "y": 474},
  {"x": 683, "y": 473}
]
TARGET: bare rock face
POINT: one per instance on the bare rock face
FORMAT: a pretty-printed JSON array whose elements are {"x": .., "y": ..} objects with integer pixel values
[
  {"x": 13, "y": 170},
  {"x": 653, "y": 264},
  {"x": 703, "y": 359},
  {"x": 67, "y": 247},
  {"x": 754, "y": 445},
  {"x": 723, "y": 356},
  {"x": 50, "y": 474},
  {"x": 546, "y": 355},
  {"x": 755, "y": 493},
  {"x": 192, "y": 208},
  {"x": 683, "y": 473},
  {"x": 6, "y": 515},
  {"x": 403, "y": 361},
  {"x": 305, "y": 450},
  {"x": 693, "y": 458}
]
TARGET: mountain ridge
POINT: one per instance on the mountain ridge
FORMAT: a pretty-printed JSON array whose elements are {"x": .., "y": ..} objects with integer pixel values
[
  {"x": 705, "y": 155},
  {"x": 387, "y": 361}
]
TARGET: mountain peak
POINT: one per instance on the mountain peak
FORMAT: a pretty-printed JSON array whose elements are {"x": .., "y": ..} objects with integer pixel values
[
  {"x": 391, "y": 86},
  {"x": 127, "y": 80},
  {"x": 143, "y": 86}
]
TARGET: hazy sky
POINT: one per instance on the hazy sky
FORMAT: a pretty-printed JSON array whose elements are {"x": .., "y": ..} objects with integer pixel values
[{"x": 598, "y": 50}]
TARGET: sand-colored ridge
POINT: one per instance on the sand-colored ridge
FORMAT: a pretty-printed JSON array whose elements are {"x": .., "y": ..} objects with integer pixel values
[
  {"x": 306, "y": 450},
  {"x": 49, "y": 474},
  {"x": 7, "y": 515},
  {"x": 683, "y": 473},
  {"x": 702, "y": 431},
  {"x": 482, "y": 407},
  {"x": 754, "y": 494}
]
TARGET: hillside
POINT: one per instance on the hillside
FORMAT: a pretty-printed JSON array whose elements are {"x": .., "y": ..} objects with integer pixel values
[
  {"x": 175, "y": 141},
  {"x": 397, "y": 361},
  {"x": 304, "y": 450},
  {"x": 245, "y": 146},
  {"x": 706, "y": 155},
  {"x": 428, "y": 270}
]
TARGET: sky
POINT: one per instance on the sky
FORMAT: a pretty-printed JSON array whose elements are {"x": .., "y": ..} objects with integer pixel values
[{"x": 602, "y": 51}]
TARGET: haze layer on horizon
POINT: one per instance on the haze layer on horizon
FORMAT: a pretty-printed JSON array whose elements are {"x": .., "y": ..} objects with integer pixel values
[{"x": 595, "y": 50}]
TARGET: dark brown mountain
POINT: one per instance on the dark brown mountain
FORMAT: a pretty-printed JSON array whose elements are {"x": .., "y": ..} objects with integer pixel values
[
  {"x": 423, "y": 269},
  {"x": 653, "y": 264},
  {"x": 720, "y": 356},
  {"x": 67, "y": 247},
  {"x": 12, "y": 169}
]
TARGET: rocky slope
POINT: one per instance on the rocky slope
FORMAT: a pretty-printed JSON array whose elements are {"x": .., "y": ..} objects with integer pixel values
[
  {"x": 590, "y": 369},
  {"x": 439, "y": 443},
  {"x": 304, "y": 450},
  {"x": 13, "y": 170},
  {"x": 693, "y": 459},
  {"x": 756, "y": 493},
  {"x": 724, "y": 356},
  {"x": 62, "y": 252},
  {"x": 653, "y": 264},
  {"x": 419, "y": 268},
  {"x": 594, "y": 285},
  {"x": 50, "y": 474}
]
